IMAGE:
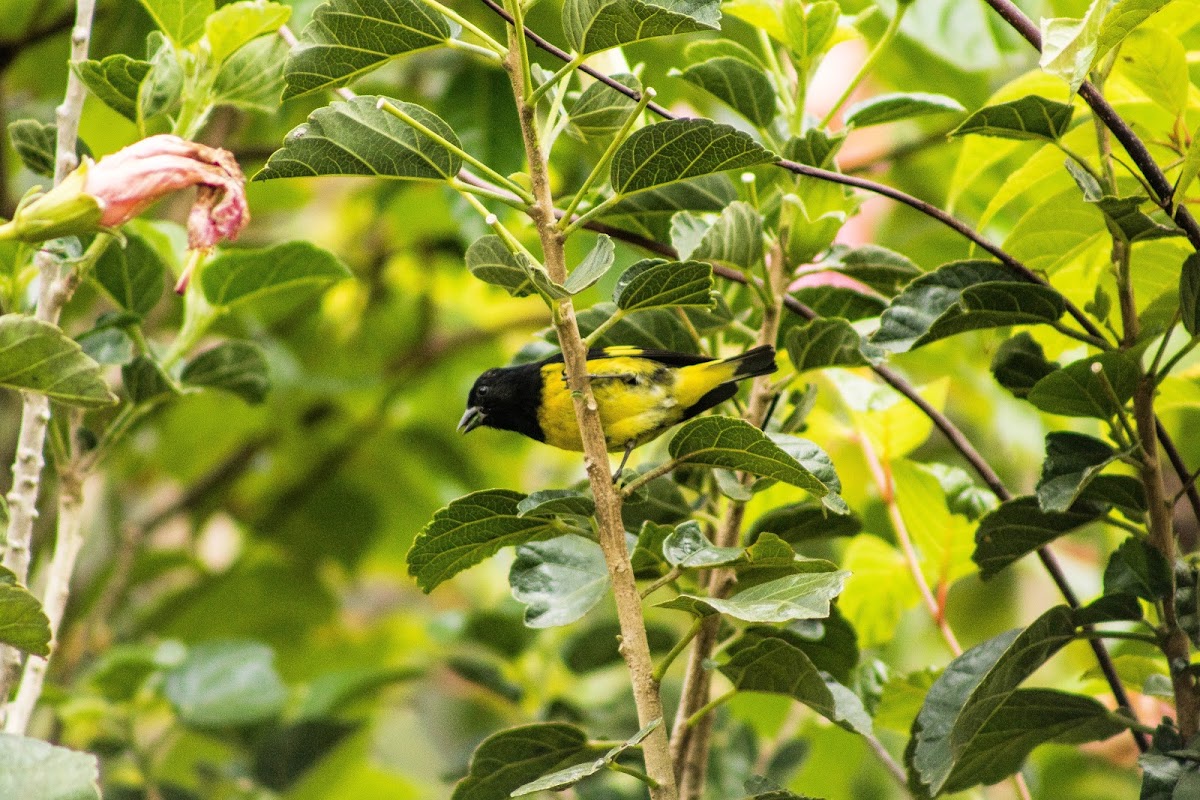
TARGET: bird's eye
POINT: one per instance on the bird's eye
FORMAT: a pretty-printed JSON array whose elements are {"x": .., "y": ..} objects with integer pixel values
[{"x": 483, "y": 390}]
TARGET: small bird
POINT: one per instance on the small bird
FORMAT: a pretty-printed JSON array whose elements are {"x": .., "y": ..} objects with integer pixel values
[{"x": 640, "y": 394}]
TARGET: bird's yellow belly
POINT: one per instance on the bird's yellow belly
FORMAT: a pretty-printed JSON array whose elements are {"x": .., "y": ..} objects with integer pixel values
[{"x": 636, "y": 412}]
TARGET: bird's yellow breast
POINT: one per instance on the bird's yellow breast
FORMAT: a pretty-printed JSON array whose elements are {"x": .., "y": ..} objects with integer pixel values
[{"x": 637, "y": 398}]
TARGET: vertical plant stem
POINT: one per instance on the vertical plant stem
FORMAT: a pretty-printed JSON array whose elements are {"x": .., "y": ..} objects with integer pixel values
[
  {"x": 888, "y": 35},
  {"x": 690, "y": 740},
  {"x": 634, "y": 647},
  {"x": 35, "y": 408}
]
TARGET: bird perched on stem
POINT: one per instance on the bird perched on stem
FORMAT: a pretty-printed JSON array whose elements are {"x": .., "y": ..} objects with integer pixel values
[{"x": 639, "y": 393}]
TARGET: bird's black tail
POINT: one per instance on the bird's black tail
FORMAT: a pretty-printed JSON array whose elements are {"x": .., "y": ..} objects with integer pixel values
[{"x": 756, "y": 361}]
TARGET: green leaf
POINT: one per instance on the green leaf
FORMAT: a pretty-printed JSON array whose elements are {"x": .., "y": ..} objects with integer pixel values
[
  {"x": 134, "y": 275},
  {"x": 829, "y": 343},
  {"x": 899, "y": 105},
  {"x": 1126, "y": 218},
  {"x": 1189, "y": 294},
  {"x": 962, "y": 296},
  {"x": 774, "y": 666},
  {"x": 594, "y": 25},
  {"x": 687, "y": 547},
  {"x": 1110, "y": 608},
  {"x": 742, "y": 86},
  {"x": 489, "y": 259},
  {"x": 226, "y": 684},
  {"x": 672, "y": 151},
  {"x": 1187, "y": 171},
  {"x": 809, "y": 31},
  {"x": 801, "y": 596},
  {"x": 116, "y": 81},
  {"x": 1018, "y": 527},
  {"x": 1078, "y": 389},
  {"x": 146, "y": 382},
  {"x": 724, "y": 442},
  {"x": 36, "y": 356},
  {"x": 593, "y": 267},
  {"x": 831, "y": 643},
  {"x": 1070, "y": 46},
  {"x": 601, "y": 110},
  {"x": 182, "y": 20},
  {"x": 879, "y": 591},
  {"x": 943, "y": 540},
  {"x": 349, "y": 38},
  {"x": 236, "y": 278},
  {"x": 107, "y": 345},
  {"x": 163, "y": 86},
  {"x": 558, "y": 580},
  {"x": 1156, "y": 62},
  {"x": 802, "y": 522},
  {"x": 656, "y": 282},
  {"x": 736, "y": 237},
  {"x": 1020, "y": 363},
  {"x": 508, "y": 760},
  {"x": 563, "y": 778},
  {"x": 235, "y": 25},
  {"x": 236, "y": 367},
  {"x": 1139, "y": 569},
  {"x": 556, "y": 502},
  {"x": 36, "y": 770},
  {"x": 23, "y": 624},
  {"x": 649, "y": 211},
  {"x": 358, "y": 138},
  {"x": 1031, "y": 117},
  {"x": 594, "y": 647},
  {"x": 471, "y": 529},
  {"x": 842, "y": 302},
  {"x": 35, "y": 143},
  {"x": 1073, "y": 460},
  {"x": 885, "y": 271},
  {"x": 252, "y": 77},
  {"x": 1123, "y": 18},
  {"x": 656, "y": 329}
]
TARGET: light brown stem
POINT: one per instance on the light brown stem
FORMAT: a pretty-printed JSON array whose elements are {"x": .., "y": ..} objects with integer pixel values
[
  {"x": 634, "y": 647},
  {"x": 690, "y": 743},
  {"x": 35, "y": 408}
]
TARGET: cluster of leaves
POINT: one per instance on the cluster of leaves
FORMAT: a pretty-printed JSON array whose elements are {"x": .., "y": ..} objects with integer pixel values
[{"x": 827, "y": 569}]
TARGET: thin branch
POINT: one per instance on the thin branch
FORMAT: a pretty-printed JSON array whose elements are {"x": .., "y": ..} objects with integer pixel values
[{"x": 35, "y": 411}]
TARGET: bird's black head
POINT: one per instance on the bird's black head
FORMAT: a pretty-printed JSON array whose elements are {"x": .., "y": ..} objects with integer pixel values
[{"x": 506, "y": 398}]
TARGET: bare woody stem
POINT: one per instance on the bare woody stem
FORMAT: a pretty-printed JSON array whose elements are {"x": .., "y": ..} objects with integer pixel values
[
  {"x": 634, "y": 645},
  {"x": 53, "y": 294}
]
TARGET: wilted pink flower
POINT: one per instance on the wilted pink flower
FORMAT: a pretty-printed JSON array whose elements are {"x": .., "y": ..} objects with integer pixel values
[{"x": 128, "y": 181}]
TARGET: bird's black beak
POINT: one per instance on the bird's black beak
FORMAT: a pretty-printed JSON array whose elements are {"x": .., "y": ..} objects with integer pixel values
[{"x": 471, "y": 420}]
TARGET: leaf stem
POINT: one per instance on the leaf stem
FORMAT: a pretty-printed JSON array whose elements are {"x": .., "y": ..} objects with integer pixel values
[
  {"x": 1128, "y": 635},
  {"x": 661, "y": 670},
  {"x": 572, "y": 65},
  {"x": 468, "y": 47},
  {"x": 711, "y": 705},
  {"x": 1174, "y": 360},
  {"x": 603, "y": 327},
  {"x": 1080, "y": 336},
  {"x": 1162, "y": 346},
  {"x": 400, "y": 114},
  {"x": 647, "y": 95},
  {"x": 586, "y": 216},
  {"x": 495, "y": 47},
  {"x": 641, "y": 480},
  {"x": 869, "y": 64}
]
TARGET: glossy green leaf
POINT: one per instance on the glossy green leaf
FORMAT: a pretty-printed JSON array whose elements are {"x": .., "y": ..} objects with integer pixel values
[
  {"x": 736, "y": 238},
  {"x": 943, "y": 540},
  {"x": 1031, "y": 117},
  {"x": 1018, "y": 527},
  {"x": 729, "y": 443},
  {"x": 226, "y": 684},
  {"x": 145, "y": 381},
  {"x": 558, "y": 580},
  {"x": 561, "y": 779},
  {"x": 601, "y": 110},
  {"x": 649, "y": 211},
  {"x": 813, "y": 458},
  {"x": 672, "y": 151},
  {"x": 252, "y": 77},
  {"x": 1189, "y": 294},
  {"x": 349, "y": 38},
  {"x": 37, "y": 770},
  {"x": 556, "y": 502},
  {"x": 237, "y": 24},
  {"x": 829, "y": 343},
  {"x": 35, "y": 144},
  {"x": 1139, "y": 569},
  {"x": 489, "y": 259},
  {"x": 801, "y": 596},
  {"x": 815, "y": 147},
  {"x": 884, "y": 270},
  {"x": 356, "y": 137},
  {"x": 1132, "y": 224},
  {"x": 1020, "y": 363},
  {"x": 801, "y": 522},
  {"x": 163, "y": 86},
  {"x": 830, "y": 643},
  {"x": 471, "y": 529},
  {"x": 833, "y": 301},
  {"x": 1079, "y": 390},
  {"x": 115, "y": 81},
  {"x": 134, "y": 275},
  {"x": 687, "y": 547},
  {"x": 742, "y": 86},
  {"x": 897, "y": 106},
  {"x": 656, "y": 328},
  {"x": 182, "y": 20},
  {"x": 1070, "y": 46},
  {"x": 809, "y": 29},
  {"x": 594, "y": 25},
  {"x": 593, "y": 266},
  {"x": 774, "y": 666},
  {"x": 511, "y": 758},
  {"x": 236, "y": 278},
  {"x": 23, "y": 624},
  {"x": 656, "y": 282},
  {"x": 879, "y": 591},
  {"x": 1155, "y": 61},
  {"x": 1187, "y": 171},
  {"x": 237, "y": 367},
  {"x": 1073, "y": 460},
  {"x": 1123, "y": 18},
  {"x": 36, "y": 356}
]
